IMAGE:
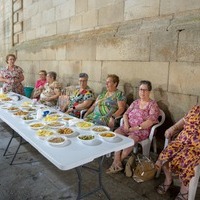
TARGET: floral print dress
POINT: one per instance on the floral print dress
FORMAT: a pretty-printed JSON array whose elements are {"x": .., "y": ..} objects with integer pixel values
[
  {"x": 183, "y": 153},
  {"x": 14, "y": 75},
  {"x": 79, "y": 97},
  {"x": 136, "y": 116},
  {"x": 105, "y": 107},
  {"x": 49, "y": 91}
]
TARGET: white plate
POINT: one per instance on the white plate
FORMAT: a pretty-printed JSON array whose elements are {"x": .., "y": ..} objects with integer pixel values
[
  {"x": 108, "y": 136},
  {"x": 44, "y": 133},
  {"x": 40, "y": 125},
  {"x": 13, "y": 109},
  {"x": 65, "y": 131},
  {"x": 56, "y": 124},
  {"x": 67, "y": 118},
  {"x": 99, "y": 129},
  {"x": 60, "y": 140},
  {"x": 20, "y": 113},
  {"x": 32, "y": 119},
  {"x": 84, "y": 139},
  {"x": 84, "y": 125}
]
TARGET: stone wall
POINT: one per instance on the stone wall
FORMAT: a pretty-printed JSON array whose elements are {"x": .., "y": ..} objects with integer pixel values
[{"x": 157, "y": 40}]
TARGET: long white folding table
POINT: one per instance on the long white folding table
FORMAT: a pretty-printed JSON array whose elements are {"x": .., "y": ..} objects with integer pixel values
[{"x": 74, "y": 155}]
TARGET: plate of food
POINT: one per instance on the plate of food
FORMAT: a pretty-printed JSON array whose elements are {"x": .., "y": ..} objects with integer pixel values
[
  {"x": 6, "y": 99},
  {"x": 26, "y": 104},
  {"x": 99, "y": 129},
  {"x": 51, "y": 118},
  {"x": 44, "y": 133},
  {"x": 21, "y": 113},
  {"x": 107, "y": 136},
  {"x": 28, "y": 118},
  {"x": 56, "y": 124},
  {"x": 65, "y": 131},
  {"x": 13, "y": 109},
  {"x": 67, "y": 118},
  {"x": 57, "y": 140},
  {"x": 86, "y": 139},
  {"x": 84, "y": 125},
  {"x": 36, "y": 125}
]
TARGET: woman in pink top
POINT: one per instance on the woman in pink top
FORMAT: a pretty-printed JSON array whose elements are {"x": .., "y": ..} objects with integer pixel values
[
  {"x": 39, "y": 85},
  {"x": 138, "y": 120}
]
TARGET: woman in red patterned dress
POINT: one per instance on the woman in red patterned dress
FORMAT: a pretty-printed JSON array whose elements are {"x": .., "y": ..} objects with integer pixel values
[{"x": 182, "y": 155}]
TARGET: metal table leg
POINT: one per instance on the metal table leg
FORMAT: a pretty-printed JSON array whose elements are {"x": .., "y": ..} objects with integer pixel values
[
  {"x": 13, "y": 135},
  {"x": 20, "y": 142},
  {"x": 100, "y": 185}
]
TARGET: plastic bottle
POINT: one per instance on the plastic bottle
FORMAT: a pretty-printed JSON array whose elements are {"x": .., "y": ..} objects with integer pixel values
[{"x": 39, "y": 114}]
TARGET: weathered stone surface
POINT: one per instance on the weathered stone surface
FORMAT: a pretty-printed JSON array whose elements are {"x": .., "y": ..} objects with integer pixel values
[
  {"x": 141, "y": 9},
  {"x": 171, "y": 6},
  {"x": 84, "y": 50},
  {"x": 18, "y": 27},
  {"x": 93, "y": 68},
  {"x": 133, "y": 72},
  {"x": 89, "y": 19},
  {"x": 189, "y": 46},
  {"x": 65, "y": 10},
  {"x": 81, "y": 6},
  {"x": 17, "y": 5},
  {"x": 184, "y": 78},
  {"x": 75, "y": 23},
  {"x": 48, "y": 16},
  {"x": 111, "y": 14},
  {"x": 135, "y": 47},
  {"x": 163, "y": 46},
  {"x": 61, "y": 53},
  {"x": 63, "y": 26}
]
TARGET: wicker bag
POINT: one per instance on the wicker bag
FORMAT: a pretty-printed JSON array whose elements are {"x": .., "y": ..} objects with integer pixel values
[{"x": 145, "y": 170}]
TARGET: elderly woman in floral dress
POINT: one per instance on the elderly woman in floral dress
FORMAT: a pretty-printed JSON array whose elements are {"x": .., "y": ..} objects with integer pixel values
[
  {"x": 182, "y": 155},
  {"x": 51, "y": 90},
  {"x": 138, "y": 120},
  {"x": 109, "y": 105},
  {"x": 12, "y": 76}
]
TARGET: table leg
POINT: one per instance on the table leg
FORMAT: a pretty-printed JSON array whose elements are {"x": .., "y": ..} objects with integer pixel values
[
  {"x": 13, "y": 135},
  {"x": 20, "y": 142},
  {"x": 100, "y": 184}
]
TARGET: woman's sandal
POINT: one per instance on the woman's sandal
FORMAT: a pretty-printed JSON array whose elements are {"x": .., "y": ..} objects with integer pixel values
[
  {"x": 162, "y": 188},
  {"x": 182, "y": 196},
  {"x": 114, "y": 169}
]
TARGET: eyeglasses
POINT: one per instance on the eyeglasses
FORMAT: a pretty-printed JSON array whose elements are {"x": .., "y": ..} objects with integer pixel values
[{"x": 143, "y": 90}]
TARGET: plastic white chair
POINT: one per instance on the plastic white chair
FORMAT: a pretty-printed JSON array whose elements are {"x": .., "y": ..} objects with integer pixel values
[
  {"x": 193, "y": 182},
  {"x": 146, "y": 144}
]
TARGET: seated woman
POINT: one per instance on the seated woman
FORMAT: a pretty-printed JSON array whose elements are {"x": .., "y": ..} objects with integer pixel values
[
  {"x": 138, "y": 120},
  {"x": 109, "y": 105},
  {"x": 51, "y": 90},
  {"x": 39, "y": 85},
  {"x": 182, "y": 154},
  {"x": 81, "y": 98}
]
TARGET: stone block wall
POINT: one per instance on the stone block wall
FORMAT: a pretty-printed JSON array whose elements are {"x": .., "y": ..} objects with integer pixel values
[{"x": 156, "y": 40}]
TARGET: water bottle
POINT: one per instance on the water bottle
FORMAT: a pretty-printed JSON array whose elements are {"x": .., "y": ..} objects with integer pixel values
[{"x": 39, "y": 114}]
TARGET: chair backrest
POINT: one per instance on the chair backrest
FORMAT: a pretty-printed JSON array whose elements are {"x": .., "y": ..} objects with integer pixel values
[{"x": 155, "y": 126}]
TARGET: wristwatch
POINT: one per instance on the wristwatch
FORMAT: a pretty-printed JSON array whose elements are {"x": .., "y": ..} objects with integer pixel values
[
  {"x": 140, "y": 128},
  {"x": 113, "y": 117}
]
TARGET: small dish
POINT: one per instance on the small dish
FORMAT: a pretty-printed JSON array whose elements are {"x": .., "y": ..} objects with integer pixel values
[
  {"x": 107, "y": 136},
  {"x": 36, "y": 125},
  {"x": 84, "y": 125},
  {"x": 86, "y": 139},
  {"x": 51, "y": 118},
  {"x": 28, "y": 118},
  {"x": 13, "y": 109},
  {"x": 65, "y": 131},
  {"x": 21, "y": 113},
  {"x": 99, "y": 129},
  {"x": 56, "y": 140},
  {"x": 56, "y": 124},
  {"x": 67, "y": 118},
  {"x": 44, "y": 133}
]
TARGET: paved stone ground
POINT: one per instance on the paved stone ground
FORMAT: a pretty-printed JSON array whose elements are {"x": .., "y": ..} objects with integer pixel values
[{"x": 33, "y": 177}]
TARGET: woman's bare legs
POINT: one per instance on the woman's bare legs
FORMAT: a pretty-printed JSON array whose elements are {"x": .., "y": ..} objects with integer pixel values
[{"x": 119, "y": 156}]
